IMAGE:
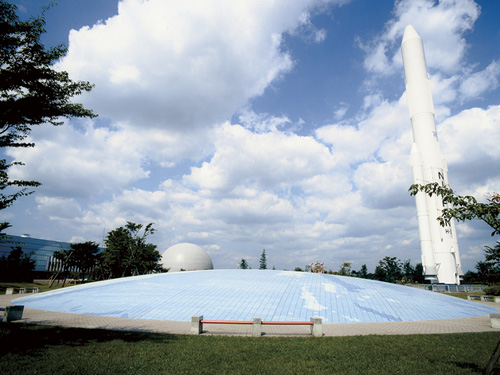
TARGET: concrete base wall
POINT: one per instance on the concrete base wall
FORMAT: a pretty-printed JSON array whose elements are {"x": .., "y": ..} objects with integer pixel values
[
  {"x": 13, "y": 313},
  {"x": 495, "y": 320}
]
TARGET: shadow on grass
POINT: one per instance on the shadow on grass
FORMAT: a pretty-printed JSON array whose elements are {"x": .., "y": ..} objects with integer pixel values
[
  {"x": 28, "y": 339},
  {"x": 468, "y": 366}
]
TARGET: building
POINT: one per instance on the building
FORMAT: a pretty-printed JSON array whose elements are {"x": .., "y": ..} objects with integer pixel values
[
  {"x": 41, "y": 252},
  {"x": 186, "y": 257}
]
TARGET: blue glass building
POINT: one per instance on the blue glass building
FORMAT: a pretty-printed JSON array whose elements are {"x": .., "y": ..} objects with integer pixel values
[{"x": 41, "y": 252}]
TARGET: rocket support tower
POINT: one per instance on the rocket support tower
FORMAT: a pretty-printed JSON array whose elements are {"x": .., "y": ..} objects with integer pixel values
[{"x": 440, "y": 255}]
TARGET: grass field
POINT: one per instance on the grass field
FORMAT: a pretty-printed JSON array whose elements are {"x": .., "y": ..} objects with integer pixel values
[
  {"x": 44, "y": 287},
  {"x": 31, "y": 349}
]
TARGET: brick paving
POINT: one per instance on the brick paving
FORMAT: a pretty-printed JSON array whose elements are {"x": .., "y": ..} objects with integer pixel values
[{"x": 474, "y": 324}]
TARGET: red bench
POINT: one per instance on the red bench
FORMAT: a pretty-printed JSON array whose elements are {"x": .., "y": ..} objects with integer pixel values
[{"x": 198, "y": 321}]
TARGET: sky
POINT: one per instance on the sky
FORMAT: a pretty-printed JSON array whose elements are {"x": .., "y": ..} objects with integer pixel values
[{"x": 255, "y": 124}]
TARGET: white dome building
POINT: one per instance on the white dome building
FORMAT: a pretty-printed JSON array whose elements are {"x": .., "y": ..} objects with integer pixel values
[{"x": 186, "y": 257}]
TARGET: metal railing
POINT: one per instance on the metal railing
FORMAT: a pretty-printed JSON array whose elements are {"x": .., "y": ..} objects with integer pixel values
[{"x": 449, "y": 288}]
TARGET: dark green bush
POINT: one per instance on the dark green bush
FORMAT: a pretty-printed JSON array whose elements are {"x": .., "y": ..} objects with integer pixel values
[
  {"x": 17, "y": 266},
  {"x": 493, "y": 290}
]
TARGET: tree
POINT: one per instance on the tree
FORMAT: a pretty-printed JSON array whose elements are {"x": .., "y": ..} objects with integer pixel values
[
  {"x": 492, "y": 254},
  {"x": 243, "y": 264},
  {"x": 63, "y": 266},
  {"x": 408, "y": 271},
  {"x": 471, "y": 277},
  {"x": 263, "y": 261},
  {"x": 345, "y": 269},
  {"x": 419, "y": 273},
  {"x": 463, "y": 208},
  {"x": 127, "y": 253},
  {"x": 389, "y": 269},
  {"x": 363, "y": 272},
  {"x": 6, "y": 200},
  {"x": 17, "y": 266},
  {"x": 31, "y": 92},
  {"x": 380, "y": 274},
  {"x": 80, "y": 256},
  {"x": 488, "y": 271},
  {"x": 85, "y": 256}
]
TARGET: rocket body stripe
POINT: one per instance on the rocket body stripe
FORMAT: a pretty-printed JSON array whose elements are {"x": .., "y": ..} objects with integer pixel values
[{"x": 439, "y": 246}]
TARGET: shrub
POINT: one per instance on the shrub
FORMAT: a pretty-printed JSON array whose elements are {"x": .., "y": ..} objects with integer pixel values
[{"x": 493, "y": 290}]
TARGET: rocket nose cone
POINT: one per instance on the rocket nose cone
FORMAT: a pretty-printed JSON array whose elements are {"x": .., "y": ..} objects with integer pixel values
[{"x": 410, "y": 33}]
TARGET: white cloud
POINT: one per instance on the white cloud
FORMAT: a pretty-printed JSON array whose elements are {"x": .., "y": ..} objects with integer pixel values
[
  {"x": 340, "y": 112},
  {"x": 469, "y": 141},
  {"x": 352, "y": 144},
  {"x": 383, "y": 185},
  {"x": 142, "y": 205},
  {"x": 170, "y": 74},
  {"x": 259, "y": 122},
  {"x": 125, "y": 74},
  {"x": 480, "y": 82},
  {"x": 441, "y": 25},
  {"x": 265, "y": 208},
  {"x": 83, "y": 162},
  {"x": 58, "y": 208},
  {"x": 184, "y": 64},
  {"x": 267, "y": 160},
  {"x": 308, "y": 31}
]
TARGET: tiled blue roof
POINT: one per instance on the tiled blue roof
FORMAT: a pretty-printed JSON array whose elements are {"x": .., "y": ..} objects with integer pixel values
[{"x": 244, "y": 294}]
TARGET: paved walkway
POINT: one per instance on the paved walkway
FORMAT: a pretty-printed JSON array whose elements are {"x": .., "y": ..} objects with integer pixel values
[{"x": 476, "y": 324}]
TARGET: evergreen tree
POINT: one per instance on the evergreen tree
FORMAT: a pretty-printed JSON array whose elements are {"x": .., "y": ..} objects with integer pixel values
[
  {"x": 243, "y": 264},
  {"x": 488, "y": 270},
  {"x": 263, "y": 261},
  {"x": 363, "y": 272}
]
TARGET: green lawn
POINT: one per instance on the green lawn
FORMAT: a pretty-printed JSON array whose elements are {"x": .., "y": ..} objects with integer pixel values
[
  {"x": 44, "y": 287},
  {"x": 31, "y": 349},
  {"x": 464, "y": 295}
]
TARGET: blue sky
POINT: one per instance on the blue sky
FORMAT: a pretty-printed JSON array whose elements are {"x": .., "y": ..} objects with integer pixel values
[{"x": 250, "y": 125}]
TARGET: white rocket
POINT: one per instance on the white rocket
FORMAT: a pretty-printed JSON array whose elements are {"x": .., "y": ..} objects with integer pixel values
[{"x": 440, "y": 255}]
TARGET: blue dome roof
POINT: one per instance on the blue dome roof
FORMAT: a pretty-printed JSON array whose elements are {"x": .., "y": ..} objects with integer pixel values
[{"x": 244, "y": 294}]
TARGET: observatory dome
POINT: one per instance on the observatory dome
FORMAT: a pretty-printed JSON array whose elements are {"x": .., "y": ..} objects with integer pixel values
[{"x": 186, "y": 257}]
